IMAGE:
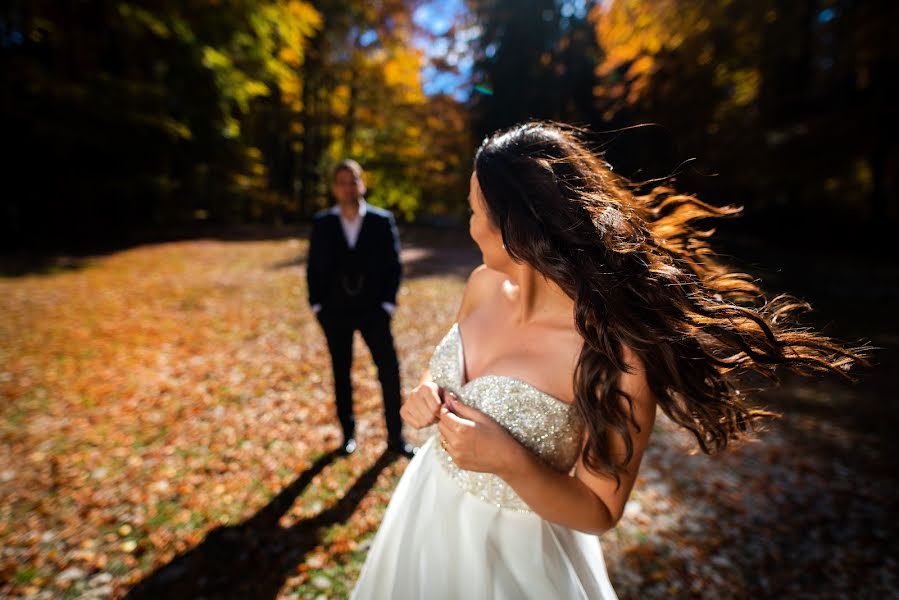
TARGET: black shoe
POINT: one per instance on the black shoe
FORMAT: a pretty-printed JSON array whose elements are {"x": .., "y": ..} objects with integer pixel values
[
  {"x": 349, "y": 446},
  {"x": 403, "y": 447}
]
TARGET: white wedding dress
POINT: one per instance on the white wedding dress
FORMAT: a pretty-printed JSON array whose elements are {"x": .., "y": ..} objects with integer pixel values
[{"x": 449, "y": 533}]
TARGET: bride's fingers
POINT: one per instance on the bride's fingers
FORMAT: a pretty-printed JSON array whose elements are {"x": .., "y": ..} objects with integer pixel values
[
  {"x": 420, "y": 421},
  {"x": 434, "y": 410},
  {"x": 457, "y": 423},
  {"x": 446, "y": 427},
  {"x": 424, "y": 402},
  {"x": 407, "y": 416},
  {"x": 422, "y": 407},
  {"x": 443, "y": 428},
  {"x": 412, "y": 413},
  {"x": 408, "y": 408},
  {"x": 427, "y": 410},
  {"x": 424, "y": 416},
  {"x": 450, "y": 399}
]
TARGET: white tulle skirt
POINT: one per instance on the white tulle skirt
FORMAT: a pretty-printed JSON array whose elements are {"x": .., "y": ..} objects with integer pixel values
[{"x": 438, "y": 542}]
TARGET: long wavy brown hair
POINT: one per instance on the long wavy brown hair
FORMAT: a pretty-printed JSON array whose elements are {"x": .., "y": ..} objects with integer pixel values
[{"x": 643, "y": 276}]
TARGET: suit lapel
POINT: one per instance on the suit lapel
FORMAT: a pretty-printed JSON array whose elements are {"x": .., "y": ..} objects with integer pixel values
[
  {"x": 366, "y": 225},
  {"x": 340, "y": 235}
]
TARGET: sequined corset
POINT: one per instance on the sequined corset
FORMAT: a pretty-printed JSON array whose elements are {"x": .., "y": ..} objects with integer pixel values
[{"x": 546, "y": 426}]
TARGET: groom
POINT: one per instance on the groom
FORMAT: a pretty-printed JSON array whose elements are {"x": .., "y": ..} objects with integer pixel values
[{"x": 353, "y": 274}]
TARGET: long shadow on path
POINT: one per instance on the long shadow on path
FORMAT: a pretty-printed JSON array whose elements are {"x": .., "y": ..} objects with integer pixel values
[{"x": 255, "y": 558}]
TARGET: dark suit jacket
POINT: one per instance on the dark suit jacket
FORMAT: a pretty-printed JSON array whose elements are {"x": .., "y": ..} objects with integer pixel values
[{"x": 373, "y": 267}]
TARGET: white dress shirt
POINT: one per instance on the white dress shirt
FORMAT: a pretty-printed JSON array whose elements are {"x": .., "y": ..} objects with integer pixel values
[{"x": 351, "y": 229}]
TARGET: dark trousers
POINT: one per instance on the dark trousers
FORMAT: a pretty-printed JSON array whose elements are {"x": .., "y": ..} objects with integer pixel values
[{"x": 374, "y": 325}]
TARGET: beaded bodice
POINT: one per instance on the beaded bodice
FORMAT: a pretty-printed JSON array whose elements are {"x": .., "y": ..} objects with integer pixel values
[{"x": 548, "y": 427}]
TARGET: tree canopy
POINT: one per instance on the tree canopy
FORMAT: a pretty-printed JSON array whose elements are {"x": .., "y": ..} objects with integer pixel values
[{"x": 140, "y": 114}]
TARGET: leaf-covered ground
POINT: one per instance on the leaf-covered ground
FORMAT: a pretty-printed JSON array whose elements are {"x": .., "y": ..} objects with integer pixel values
[{"x": 167, "y": 430}]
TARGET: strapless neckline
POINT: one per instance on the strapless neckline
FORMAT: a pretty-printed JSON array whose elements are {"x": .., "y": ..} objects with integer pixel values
[
  {"x": 548, "y": 427},
  {"x": 495, "y": 377}
]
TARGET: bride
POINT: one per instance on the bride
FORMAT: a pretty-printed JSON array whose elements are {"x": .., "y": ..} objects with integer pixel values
[{"x": 593, "y": 306}]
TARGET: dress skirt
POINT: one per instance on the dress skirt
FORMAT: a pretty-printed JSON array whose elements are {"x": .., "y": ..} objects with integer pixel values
[{"x": 438, "y": 541}]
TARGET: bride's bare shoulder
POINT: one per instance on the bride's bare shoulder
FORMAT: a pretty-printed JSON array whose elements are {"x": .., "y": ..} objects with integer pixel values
[
  {"x": 484, "y": 276},
  {"x": 480, "y": 284}
]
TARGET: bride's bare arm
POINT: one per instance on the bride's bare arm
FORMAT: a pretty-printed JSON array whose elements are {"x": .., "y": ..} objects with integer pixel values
[
  {"x": 586, "y": 502},
  {"x": 422, "y": 405}
]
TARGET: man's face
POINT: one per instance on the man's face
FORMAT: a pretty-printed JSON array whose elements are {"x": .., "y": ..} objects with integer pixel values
[{"x": 347, "y": 187}]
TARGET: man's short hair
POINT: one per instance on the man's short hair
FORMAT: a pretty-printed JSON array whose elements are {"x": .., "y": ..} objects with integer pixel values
[{"x": 347, "y": 164}]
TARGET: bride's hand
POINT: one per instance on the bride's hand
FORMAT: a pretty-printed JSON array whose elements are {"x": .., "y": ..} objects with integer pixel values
[
  {"x": 474, "y": 440},
  {"x": 422, "y": 405}
]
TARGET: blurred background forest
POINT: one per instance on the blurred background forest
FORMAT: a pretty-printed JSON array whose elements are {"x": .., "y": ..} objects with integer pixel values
[{"x": 124, "y": 118}]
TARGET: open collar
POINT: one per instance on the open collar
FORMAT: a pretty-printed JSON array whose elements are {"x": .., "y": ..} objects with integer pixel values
[{"x": 363, "y": 208}]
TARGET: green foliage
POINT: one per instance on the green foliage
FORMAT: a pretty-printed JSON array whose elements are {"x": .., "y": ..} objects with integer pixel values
[
  {"x": 363, "y": 81},
  {"x": 138, "y": 114},
  {"x": 144, "y": 114},
  {"x": 135, "y": 113}
]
